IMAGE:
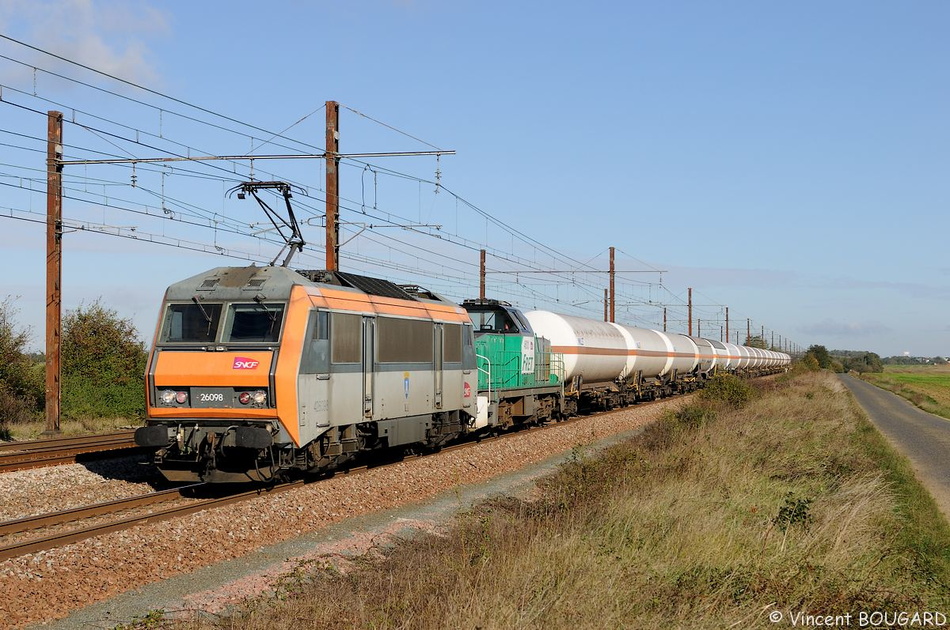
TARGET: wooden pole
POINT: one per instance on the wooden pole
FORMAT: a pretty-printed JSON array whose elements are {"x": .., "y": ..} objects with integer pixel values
[
  {"x": 689, "y": 295},
  {"x": 481, "y": 275},
  {"x": 333, "y": 185},
  {"x": 613, "y": 292},
  {"x": 54, "y": 267}
]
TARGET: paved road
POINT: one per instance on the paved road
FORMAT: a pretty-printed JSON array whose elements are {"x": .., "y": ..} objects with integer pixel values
[{"x": 922, "y": 437}]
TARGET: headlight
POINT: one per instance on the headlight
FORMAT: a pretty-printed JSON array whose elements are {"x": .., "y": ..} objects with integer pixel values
[
  {"x": 167, "y": 397},
  {"x": 258, "y": 398}
]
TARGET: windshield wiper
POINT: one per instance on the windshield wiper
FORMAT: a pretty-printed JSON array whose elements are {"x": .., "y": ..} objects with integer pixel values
[
  {"x": 272, "y": 315},
  {"x": 202, "y": 308},
  {"x": 205, "y": 313}
]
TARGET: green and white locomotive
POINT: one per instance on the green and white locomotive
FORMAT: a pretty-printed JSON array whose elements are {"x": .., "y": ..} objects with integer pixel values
[{"x": 520, "y": 381}]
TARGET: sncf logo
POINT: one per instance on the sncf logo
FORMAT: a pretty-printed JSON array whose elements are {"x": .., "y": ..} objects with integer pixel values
[{"x": 243, "y": 363}]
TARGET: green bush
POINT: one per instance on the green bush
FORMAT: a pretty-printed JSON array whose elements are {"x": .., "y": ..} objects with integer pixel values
[
  {"x": 103, "y": 365},
  {"x": 22, "y": 386},
  {"x": 727, "y": 389}
]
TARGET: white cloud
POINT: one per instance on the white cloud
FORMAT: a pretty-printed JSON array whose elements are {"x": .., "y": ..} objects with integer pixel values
[{"x": 108, "y": 35}]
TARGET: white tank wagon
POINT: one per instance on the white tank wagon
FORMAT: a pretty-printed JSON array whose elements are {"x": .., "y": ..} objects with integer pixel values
[
  {"x": 594, "y": 350},
  {"x": 756, "y": 358},
  {"x": 685, "y": 355},
  {"x": 708, "y": 355},
  {"x": 609, "y": 364}
]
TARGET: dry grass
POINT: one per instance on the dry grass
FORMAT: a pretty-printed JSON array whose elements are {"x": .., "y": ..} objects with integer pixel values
[
  {"x": 89, "y": 426},
  {"x": 712, "y": 519}
]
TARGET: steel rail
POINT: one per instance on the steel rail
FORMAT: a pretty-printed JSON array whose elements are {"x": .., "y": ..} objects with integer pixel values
[
  {"x": 60, "y": 539},
  {"x": 53, "y": 443},
  {"x": 64, "y": 538},
  {"x": 39, "y": 453},
  {"x": 20, "y": 525}
]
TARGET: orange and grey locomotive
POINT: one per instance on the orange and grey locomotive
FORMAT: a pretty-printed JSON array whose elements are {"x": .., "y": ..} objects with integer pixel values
[{"x": 258, "y": 371}]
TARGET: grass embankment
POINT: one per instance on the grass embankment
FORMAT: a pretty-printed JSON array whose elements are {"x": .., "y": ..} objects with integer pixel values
[
  {"x": 927, "y": 386},
  {"x": 712, "y": 518},
  {"x": 68, "y": 428}
]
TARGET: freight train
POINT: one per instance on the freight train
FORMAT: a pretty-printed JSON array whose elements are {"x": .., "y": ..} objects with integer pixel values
[{"x": 258, "y": 372}]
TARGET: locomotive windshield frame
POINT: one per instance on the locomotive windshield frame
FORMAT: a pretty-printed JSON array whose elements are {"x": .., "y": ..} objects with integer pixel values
[
  {"x": 257, "y": 322},
  {"x": 495, "y": 316},
  {"x": 236, "y": 323}
]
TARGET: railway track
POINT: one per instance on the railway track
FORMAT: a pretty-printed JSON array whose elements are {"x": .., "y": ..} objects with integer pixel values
[
  {"x": 117, "y": 518},
  {"x": 58, "y": 533},
  {"x": 50, "y": 452},
  {"x": 115, "y": 515}
]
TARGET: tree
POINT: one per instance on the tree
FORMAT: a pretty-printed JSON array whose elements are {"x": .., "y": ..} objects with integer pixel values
[
  {"x": 103, "y": 365},
  {"x": 863, "y": 362},
  {"x": 22, "y": 388},
  {"x": 821, "y": 355}
]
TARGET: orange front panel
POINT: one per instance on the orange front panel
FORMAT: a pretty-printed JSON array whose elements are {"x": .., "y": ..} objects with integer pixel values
[
  {"x": 288, "y": 363},
  {"x": 212, "y": 369}
]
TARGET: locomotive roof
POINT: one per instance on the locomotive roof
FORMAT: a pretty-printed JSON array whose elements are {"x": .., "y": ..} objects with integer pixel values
[{"x": 275, "y": 283}]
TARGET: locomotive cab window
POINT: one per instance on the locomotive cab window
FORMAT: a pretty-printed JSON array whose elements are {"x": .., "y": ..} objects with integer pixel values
[
  {"x": 256, "y": 322},
  {"x": 191, "y": 323},
  {"x": 316, "y": 353},
  {"x": 491, "y": 321}
]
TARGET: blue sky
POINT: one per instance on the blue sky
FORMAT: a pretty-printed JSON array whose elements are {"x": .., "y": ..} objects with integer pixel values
[{"x": 787, "y": 160}]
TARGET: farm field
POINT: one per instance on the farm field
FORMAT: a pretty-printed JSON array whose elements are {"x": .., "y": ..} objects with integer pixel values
[{"x": 927, "y": 386}]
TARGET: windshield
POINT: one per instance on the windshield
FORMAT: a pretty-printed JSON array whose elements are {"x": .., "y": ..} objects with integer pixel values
[
  {"x": 193, "y": 322},
  {"x": 254, "y": 322},
  {"x": 492, "y": 321}
]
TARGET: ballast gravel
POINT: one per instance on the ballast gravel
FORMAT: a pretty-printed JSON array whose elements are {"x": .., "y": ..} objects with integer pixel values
[
  {"x": 49, "y": 585},
  {"x": 42, "y": 490}
]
